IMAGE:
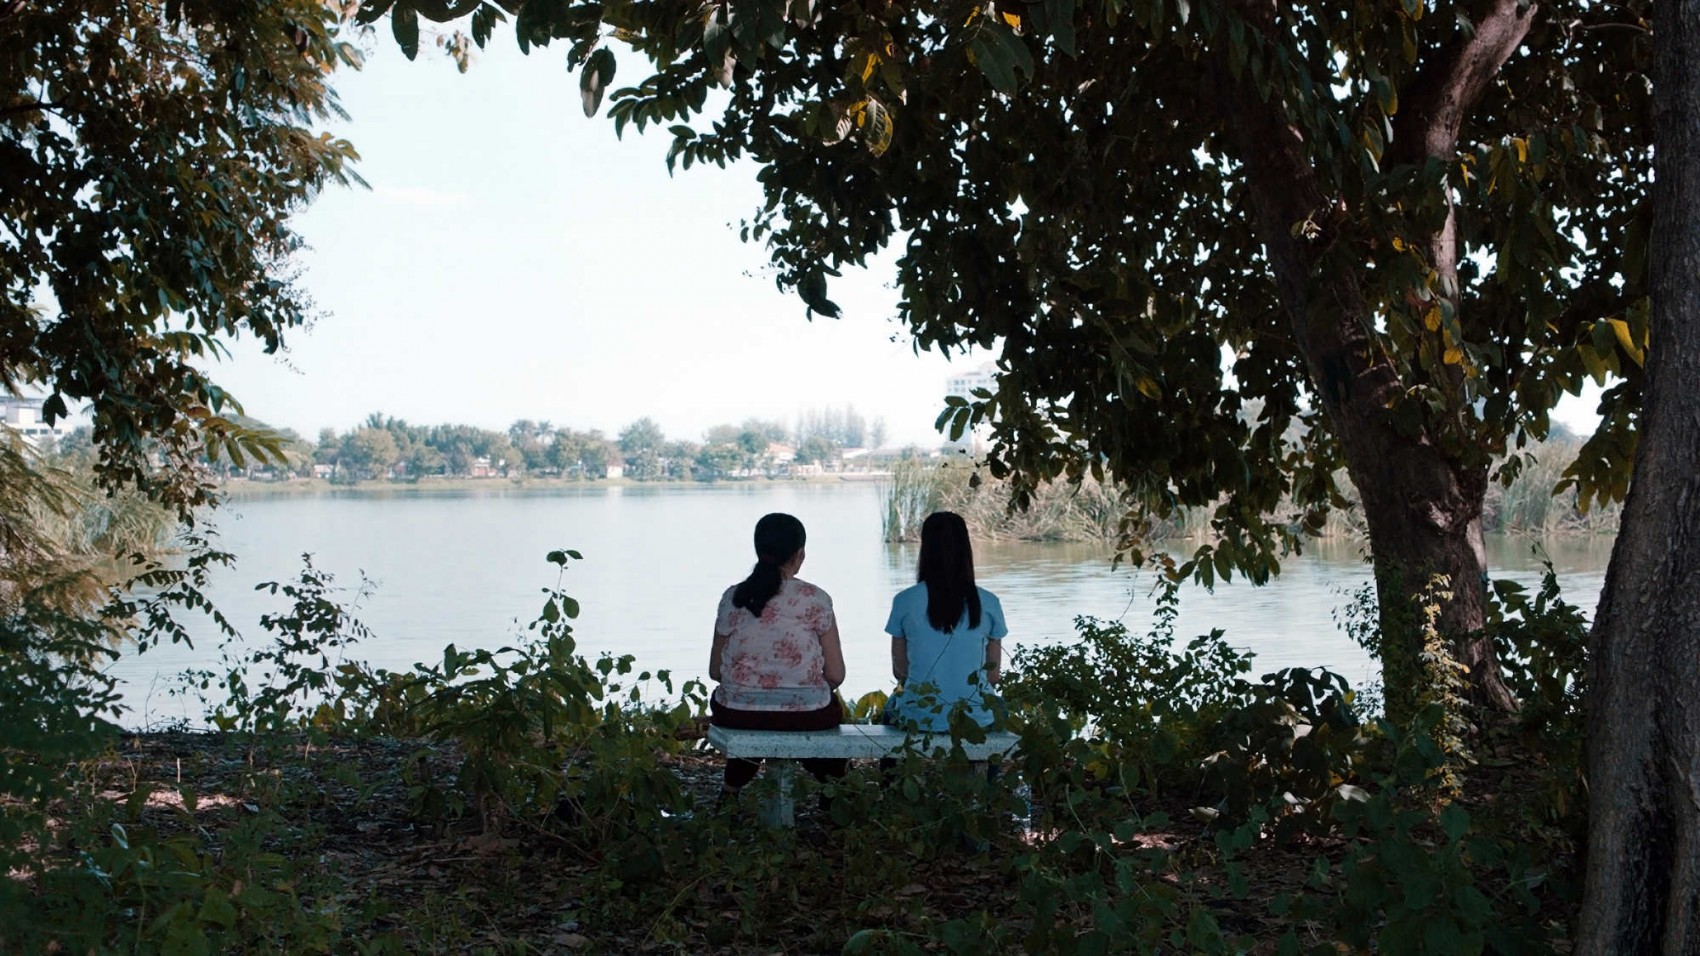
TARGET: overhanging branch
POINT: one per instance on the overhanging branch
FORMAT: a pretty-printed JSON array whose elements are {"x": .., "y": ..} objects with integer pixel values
[{"x": 1446, "y": 88}]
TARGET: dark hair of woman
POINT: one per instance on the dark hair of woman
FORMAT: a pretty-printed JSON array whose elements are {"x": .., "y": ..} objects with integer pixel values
[
  {"x": 947, "y": 569},
  {"x": 778, "y": 537}
]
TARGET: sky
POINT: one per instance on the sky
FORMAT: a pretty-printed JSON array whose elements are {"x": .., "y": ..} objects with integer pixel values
[{"x": 514, "y": 259}]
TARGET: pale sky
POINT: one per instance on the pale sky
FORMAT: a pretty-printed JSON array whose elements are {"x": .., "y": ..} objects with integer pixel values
[{"x": 513, "y": 259}]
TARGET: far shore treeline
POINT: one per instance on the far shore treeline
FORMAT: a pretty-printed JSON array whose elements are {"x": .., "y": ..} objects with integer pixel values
[{"x": 383, "y": 448}]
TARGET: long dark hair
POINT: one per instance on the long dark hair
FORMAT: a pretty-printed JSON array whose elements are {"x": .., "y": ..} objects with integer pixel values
[
  {"x": 778, "y": 537},
  {"x": 947, "y": 569}
]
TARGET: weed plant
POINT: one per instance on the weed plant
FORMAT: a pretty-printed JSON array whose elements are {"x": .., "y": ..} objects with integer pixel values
[{"x": 1161, "y": 799}]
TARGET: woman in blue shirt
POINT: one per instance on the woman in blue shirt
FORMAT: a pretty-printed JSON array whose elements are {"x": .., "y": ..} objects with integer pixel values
[{"x": 946, "y": 634}]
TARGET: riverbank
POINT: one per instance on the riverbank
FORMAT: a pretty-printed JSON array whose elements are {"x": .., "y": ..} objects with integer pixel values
[{"x": 238, "y": 489}]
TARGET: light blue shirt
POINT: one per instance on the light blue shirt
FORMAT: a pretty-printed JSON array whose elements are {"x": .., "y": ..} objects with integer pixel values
[{"x": 943, "y": 668}]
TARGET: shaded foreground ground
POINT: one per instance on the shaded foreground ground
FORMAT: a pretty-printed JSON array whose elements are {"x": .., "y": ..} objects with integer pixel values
[{"x": 347, "y": 817}]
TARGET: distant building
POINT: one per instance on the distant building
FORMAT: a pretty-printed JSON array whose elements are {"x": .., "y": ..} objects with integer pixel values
[
  {"x": 964, "y": 386},
  {"x": 23, "y": 415}
]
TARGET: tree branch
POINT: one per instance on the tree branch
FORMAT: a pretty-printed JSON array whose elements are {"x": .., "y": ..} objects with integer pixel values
[
  {"x": 1448, "y": 87},
  {"x": 32, "y": 106}
]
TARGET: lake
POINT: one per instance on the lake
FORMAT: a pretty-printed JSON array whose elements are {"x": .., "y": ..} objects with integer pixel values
[{"x": 467, "y": 567}]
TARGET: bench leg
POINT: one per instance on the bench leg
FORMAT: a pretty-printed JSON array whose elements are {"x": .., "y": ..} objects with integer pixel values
[{"x": 780, "y": 810}]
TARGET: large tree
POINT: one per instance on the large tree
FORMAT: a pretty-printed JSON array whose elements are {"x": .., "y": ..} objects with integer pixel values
[
  {"x": 151, "y": 154},
  {"x": 1223, "y": 247},
  {"x": 1643, "y": 885}
]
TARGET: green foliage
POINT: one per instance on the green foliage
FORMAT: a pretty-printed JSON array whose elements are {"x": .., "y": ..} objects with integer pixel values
[
  {"x": 150, "y": 157},
  {"x": 1410, "y": 238},
  {"x": 1148, "y": 707},
  {"x": 1421, "y": 673},
  {"x": 1418, "y": 875},
  {"x": 59, "y": 535},
  {"x": 276, "y": 687},
  {"x": 133, "y": 890},
  {"x": 58, "y": 707},
  {"x": 1292, "y": 750},
  {"x": 1543, "y": 642},
  {"x": 1180, "y": 211},
  {"x": 82, "y": 874},
  {"x": 1285, "y": 748},
  {"x": 535, "y": 742}
]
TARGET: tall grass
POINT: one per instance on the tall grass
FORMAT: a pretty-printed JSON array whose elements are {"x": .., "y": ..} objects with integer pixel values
[
  {"x": 1061, "y": 511},
  {"x": 1091, "y": 511},
  {"x": 1529, "y": 505}
]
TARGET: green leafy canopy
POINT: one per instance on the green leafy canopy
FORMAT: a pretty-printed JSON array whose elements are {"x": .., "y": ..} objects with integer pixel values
[
  {"x": 1212, "y": 239},
  {"x": 151, "y": 154}
]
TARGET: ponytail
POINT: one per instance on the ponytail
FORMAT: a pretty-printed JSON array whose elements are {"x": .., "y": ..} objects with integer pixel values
[
  {"x": 778, "y": 538},
  {"x": 753, "y": 593}
]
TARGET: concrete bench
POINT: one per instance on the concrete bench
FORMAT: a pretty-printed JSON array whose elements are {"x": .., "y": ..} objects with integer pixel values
[{"x": 849, "y": 741}]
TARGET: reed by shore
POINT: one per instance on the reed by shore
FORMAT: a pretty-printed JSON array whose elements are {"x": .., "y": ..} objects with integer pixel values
[{"x": 1093, "y": 511}]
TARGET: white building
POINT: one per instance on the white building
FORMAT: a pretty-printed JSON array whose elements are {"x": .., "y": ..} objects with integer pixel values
[
  {"x": 964, "y": 386},
  {"x": 23, "y": 415}
]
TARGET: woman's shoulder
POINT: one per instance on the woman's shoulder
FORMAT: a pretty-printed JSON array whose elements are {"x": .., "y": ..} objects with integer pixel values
[
  {"x": 914, "y": 592},
  {"x": 987, "y": 597},
  {"x": 807, "y": 590}
]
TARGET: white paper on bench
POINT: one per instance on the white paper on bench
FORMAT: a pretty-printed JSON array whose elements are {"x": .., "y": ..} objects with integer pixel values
[{"x": 855, "y": 741}]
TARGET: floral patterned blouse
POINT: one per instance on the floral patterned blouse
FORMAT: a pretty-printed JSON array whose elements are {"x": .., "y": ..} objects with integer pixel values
[{"x": 775, "y": 662}]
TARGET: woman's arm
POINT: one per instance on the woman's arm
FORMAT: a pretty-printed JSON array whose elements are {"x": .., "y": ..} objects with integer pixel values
[
  {"x": 717, "y": 651},
  {"x": 833, "y": 667},
  {"x": 994, "y": 661},
  {"x": 900, "y": 659}
]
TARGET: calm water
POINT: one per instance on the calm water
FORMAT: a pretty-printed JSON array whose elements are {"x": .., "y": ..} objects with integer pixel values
[{"x": 467, "y": 568}]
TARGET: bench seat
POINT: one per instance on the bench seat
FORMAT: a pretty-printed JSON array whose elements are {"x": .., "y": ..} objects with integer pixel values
[{"x": 848, "y": 741}]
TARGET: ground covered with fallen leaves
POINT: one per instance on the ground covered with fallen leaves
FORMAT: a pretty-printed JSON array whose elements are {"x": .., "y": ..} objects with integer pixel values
[{"x": 347, "y": 817}]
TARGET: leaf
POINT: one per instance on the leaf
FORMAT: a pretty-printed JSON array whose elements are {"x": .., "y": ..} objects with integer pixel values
[
  {"x": 217, "y": 909},
  {"x": 1060, "y": 13},
  {"x": 1630, "y": 348},
  {"x": 372, "y": 10},
  {"x": 812, "y": 289},
  {"x": 1453, "y": 355},
  {"x": 1017, "y": 50},
  {"x": 717, "y": 47},
  {"x": 593, "y": 82},
  {"x": 1148, "y": 387},
  {"x": 484, "y": 21},
  {"x": 876, "y": 126},
  {"x": 993, "y": 63},
  {"x": 404, "y": 24},
  {"x": 1455, "y": 821}
]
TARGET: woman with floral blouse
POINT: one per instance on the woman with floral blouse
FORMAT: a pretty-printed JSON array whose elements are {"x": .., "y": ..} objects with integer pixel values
[{"x": 776, "y": 653}]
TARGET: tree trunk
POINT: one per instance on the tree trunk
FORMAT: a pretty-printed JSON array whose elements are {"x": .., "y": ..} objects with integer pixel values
[
  {"x": 1643, "y": 879},
  {"x": 1423, "y": 507}
]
